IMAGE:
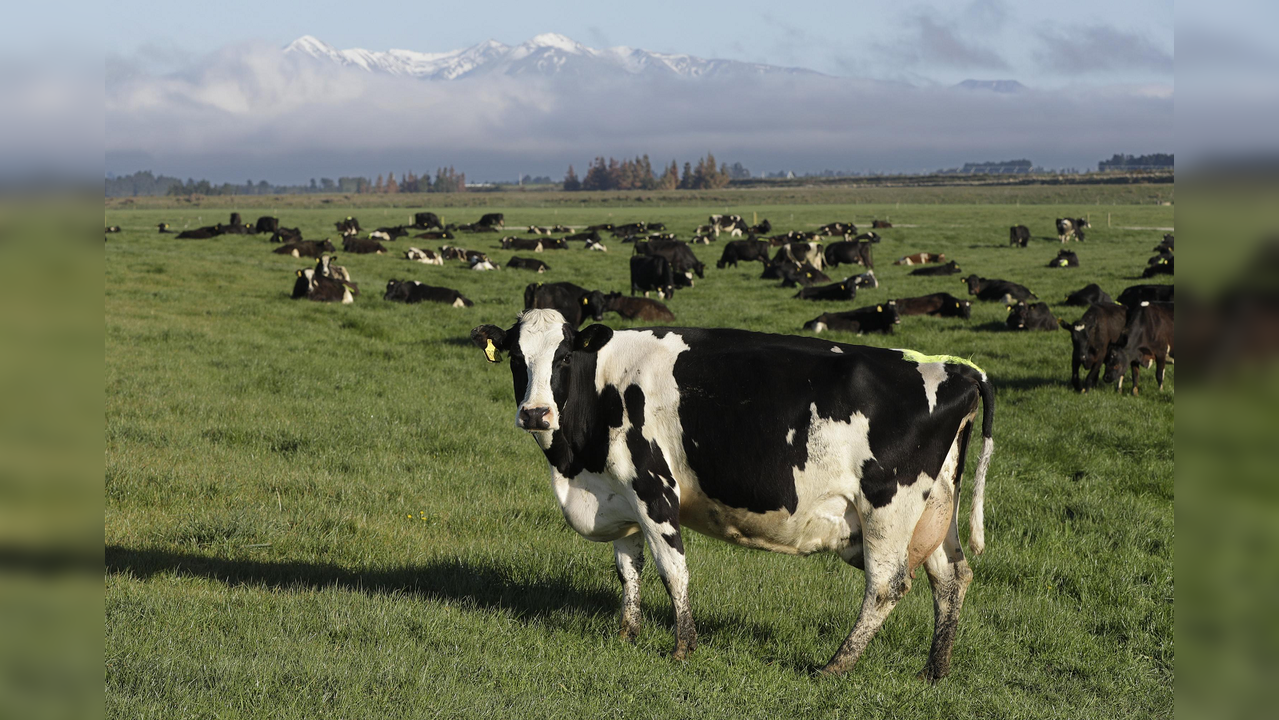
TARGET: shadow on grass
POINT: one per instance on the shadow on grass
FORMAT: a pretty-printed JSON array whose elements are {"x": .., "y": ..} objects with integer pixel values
[{"x": 1030, "y": 383}]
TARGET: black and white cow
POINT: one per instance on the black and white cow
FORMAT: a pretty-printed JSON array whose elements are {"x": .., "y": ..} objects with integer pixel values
[
  {"x": 737, "y": 251},
  {"x": 852, "y": 450},
  {"x": 1037, "y": 316},
  {"x": 349, "y": 226},
  {"x": 792, "y": 275},
  {"x": 1147, "y": 337},
  {"x": 520, "y": 263},
  {"x": 1090, "y": 294},
  {"x": 1068, "y": 228},
  {"x": 1137, "y": 294},
  {"x": 803, "y": 252},
  {"x": 683, "y": 262},
  {"x": 1018, "y": 235},
  {"x": 573, "y": 303},
  {"x": 305, "y": 248},
  {"x": 846, "y": 229},
  {"x": 515, "y": 243},
  {"x": 426, "y": 257},
  {"x": 652, "y": 272},
  {"x": 358, "y": 246},
  {"x": 1090, "y": 337},
  {"x": 1159, "y": 265},
  {"x": 881, "y": 318},
  {"x": 991, "y": 290},
  {"x": 412, "y": 291}
]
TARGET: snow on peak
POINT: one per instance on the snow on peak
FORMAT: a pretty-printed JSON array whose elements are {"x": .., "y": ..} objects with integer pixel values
[{"x": 556, "y": 41}]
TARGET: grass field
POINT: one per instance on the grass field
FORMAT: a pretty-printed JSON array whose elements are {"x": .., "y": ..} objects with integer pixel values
[{"x": 322, "y": 510}]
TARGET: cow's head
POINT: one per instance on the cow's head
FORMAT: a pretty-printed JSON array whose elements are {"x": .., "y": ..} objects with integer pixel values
[
  {"x": 1117, "y": 359},
  {"x": 549, "y": 361},
  {"x": 973, "y": 282},
  {"x": 1017, "y": 315},
  {"x": 890, "y": 308},
  {"x": 1078, "y": 340},
  {"x": 964, "y": 308}
]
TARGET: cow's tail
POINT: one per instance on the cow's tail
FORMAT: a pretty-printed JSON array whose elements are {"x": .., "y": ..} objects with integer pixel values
[{"x": 976, "y": 526}]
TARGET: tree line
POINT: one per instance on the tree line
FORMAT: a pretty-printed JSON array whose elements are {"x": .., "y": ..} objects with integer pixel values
[
  {"x": 638, "y": 174},
  {"x": 146, "y": 183}
]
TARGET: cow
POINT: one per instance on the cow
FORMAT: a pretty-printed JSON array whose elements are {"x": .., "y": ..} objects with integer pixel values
[
  {"x": 1090, "y": 294},
  {"x": 792, "y": 275},
  {"x": 436, "y": 235},
  {"x": 481, "y": 263},
  {"x": 358, "y": 246},
  {"x": 880, "y": 224},
  {"x": 266, "y": 224},
  {"x": 586, "y": 236},
  {"x": 937, "y": 305},
  {"x": 1136, "y": 294},
  {"x": 1147, "y": 337},
  {"x": 349, "y": 226},
  {"x": 492, "y": 220},
  {"x": 113, "y": 228},
  {"x": 635, "y": 228},
  {"x": 412, "y": 291},
  {"x": 793, "y": 236},
  {"x": 1018, "y": 236},
  {"x": 849, "y": 252},
  {"x": 763, "y": 228},
  {"x": 1090, "y": 337},
  {"x": 684, "y": 264},
  {"x": 604, "y": 227},
  {"x": 950, "y": 268},
  {"x": 921, "y": 258},
  {"x": 1160, "y": 257},
  {"x": 871, "y": 237},
  {"x": 845, "y": 290},
  {"x": 852, "y": 450},
  {"x": 734, "y": 225},
  {"x": 866, "y": 280},
  {"x": 305, "y": 248},
  {"x": 514, "y": 243},
  {"x": 560, "y": 244},
  {"x": 324, "y": 266},
  {"x": 1165, "y": 244},
  {"x": 520, "y": 263},
  {"x": 574, "y": 304},
  {"x": 286, "y": 234},
  {"x": 633, "y": 308},
  {"x": 427, "y": 221},
  {"x": 325, "y": 283},
  {"x": 236, "y": 219},
  {"x": 448, "y": 252},
  {"x": 1065, "y": 259},
  {"x": 426, "y": 257},
  {"x": 596, "y": 246},
  {"x": 394, "y": 232},
  {"x": 473, "y": 228},
  {"x": 163, "y": 228},
  {"x": 800, "y": 253},
  {"x": 997, "y": 290},
  {"x": 1158, "y": 266},
  {"x": 652, "y": 272},
  {"x": 203, "y": 233},
  {"x": 1031, "y": 317},
  {"x": 1071, "y": 227},
  {"x": 846, "y": 229},
  {"x": 736, "y": 251},
  {"x": 537, "y": 230},
  {"x": 879, "y": 318}
]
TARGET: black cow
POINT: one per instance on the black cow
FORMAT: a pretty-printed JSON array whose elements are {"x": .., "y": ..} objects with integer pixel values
[
  {"x": 359, "y": 246},
  {"x": 412, "y": 291},
  {"x": 652, "y": 272},
  {"x": 849, "y": 252},
  {"x": 236, "y": 219},
  {"x": 286, "y": 234},
  {"x": 1064, "y": 259},
  {"x": 1165, "y": 244},
  {"x": 514, "y": 243},
  {"x": 736, "y": 251},
  {"x": 164, "y": 228},
  {"x": 635, "y": 308},
  {"x": 1018, "y": 235},
  {"x": 1090, "y": 337},
  {"x": 1071, "y": 227},
  {"x": 845, "y": 290},
  {"x": 575, "y": 304},
  {"x": 846, "y": 229},
  {"x": 349, "y": 226},
  {"x": 520, "y": 263},
  {"x": 586, "y": 235},
  {"x": 1031, "y": 317},
  {"x": 643, "y": 434},
  {"x": 436, "y": 235},
  {"x": 1137, "y": 294},
  {"x": 684, "y": 264},
  {"x": 266, "y": 224},
  {"x": 763, "y": 228},
  {"x": 950, "y": 268},
  {"x": 937, "y": 305},
  {"x": 492, "y": 220},
  {"x": 879, "y": 318},
  {"x": 1090, "y": 294},
  {"x": 793, "y": 275},
  {"x": 997, "y": 290},
  {"x": 305, "y": 248},
  {"x": 1158, "y": 266},
  {"x": 605, "y": 227},
  {"x": 1147, "y": 337},
  {"x": 880, "y": 224},
  {"x": 427, "y": 221},
  {"x": 113, "y": 228},
  {"x": 203, "y": 233}
]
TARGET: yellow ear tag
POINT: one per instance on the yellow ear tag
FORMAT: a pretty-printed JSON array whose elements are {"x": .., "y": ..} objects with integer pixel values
[
  {"x": 879, "y": 308},
  {"x": 585, "y": 300},
  {"x": 490, "y": 351}
]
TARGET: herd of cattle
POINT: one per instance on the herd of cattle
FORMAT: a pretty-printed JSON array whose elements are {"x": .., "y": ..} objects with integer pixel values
[{"x": 1110, "y": 338}]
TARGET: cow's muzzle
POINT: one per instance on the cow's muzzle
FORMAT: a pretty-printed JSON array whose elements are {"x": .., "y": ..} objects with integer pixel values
[{"x": 534, "y": 418}]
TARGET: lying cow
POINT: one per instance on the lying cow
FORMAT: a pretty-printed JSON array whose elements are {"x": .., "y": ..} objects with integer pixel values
[
  {"x": 633, "y": 308},
  {"x": 436, "y": 235},
  {"x": 1071, "y": 227},
  {"x": 873, "y": 318},
  {"x": 642, "y": 432},
  {"x": 846, "y": 229},
  {"x": 574, "y": 304},
  {"x": 1147, "y": 337},
  {"x": 846, "y": 290},
  {"x": 737, "y": 251},
  {"x": 1090, "y": 294},
  {"x": 1018, "y": 236},
  {"x": 950, "y": 268},
  {"x": 393, "y": 232},
  {"x": 652, "y": 272},
  {"x": 849, "y": 252},
  {"x": 492, "y": 220},
  {"x": 305, "y": 248},
  {"x": 325, "y": 282},
  {"x": 992, "y": 290},
  {"x": 349, "y": 226},
  {"x": 937, "y": 305},
  {"x": 1064, "y": 259},
  {"x": 514, "y": 243},
  {"x": 866, "y": 280},
  {"x": 426, "y": 257},
  {"x": 1137, "y": 294},
  {"x": 1090, "y": 337},
  {"x": 163, "y": 228},
  {"x": 1159, "y": 266},
  {"x": 1031, "y": 317},
  {"x": 359, "y": 246},
  {"x": 286, "y": 235},
  {"x": 266, "y": 224},
  {"x": 427, "y": 221},
  {"x": 520, "y": 263},
  {"x": 412, "y": 291},
  {"x": 537, "y": 230},
  {"x": 880, "y": 224},
  {"x": 793, "y": 275},
  {"x": 202, "y": 233},
  {"x": 113, "y": 228},
  {"x": 921, "y": 258}
]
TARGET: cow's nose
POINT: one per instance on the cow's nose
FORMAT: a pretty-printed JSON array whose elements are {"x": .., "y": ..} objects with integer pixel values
[{"x": 534, "y": 418}]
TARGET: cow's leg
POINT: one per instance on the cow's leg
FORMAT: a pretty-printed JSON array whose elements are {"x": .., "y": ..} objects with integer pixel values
[
  {"x": 1074, "y": 375},
  {"x": 884, "y": 547},
  {"x": 1136, "y": 370},
  {"x": 628, "y": 553},
  {"x": 1090, "y": 382},
  {"x": 949, "y": 575},
  {"x": 1159, "y": 370},
  {"x": 668, "y": 553}
]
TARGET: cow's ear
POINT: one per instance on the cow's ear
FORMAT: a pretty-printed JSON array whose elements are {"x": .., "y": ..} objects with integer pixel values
[
  {"x": 491, "y": 339},
  {"x": 1064, "y": 325},
  {"x": 593, "y": 338}
]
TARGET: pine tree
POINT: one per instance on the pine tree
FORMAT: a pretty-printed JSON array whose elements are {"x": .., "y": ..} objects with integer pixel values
[{"x": 571, "y": 183}]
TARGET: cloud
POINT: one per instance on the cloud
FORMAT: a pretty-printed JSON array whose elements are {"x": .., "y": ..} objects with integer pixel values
[
  {"x": 1081, "y": 50},
  {"x": 252, "y": 111}
]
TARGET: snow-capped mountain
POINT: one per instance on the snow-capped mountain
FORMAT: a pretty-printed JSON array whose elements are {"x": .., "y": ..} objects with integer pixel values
[{"x": 546, "y": 54}]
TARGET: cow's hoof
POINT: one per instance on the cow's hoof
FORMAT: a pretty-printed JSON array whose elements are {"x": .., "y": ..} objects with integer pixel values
[
  {"x": 832, "y": 669},
  {"x": 930, "y": 675},
  {"x": 629, "y": 633}
]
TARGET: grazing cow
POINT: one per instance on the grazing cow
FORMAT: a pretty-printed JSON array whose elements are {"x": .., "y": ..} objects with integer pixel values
[
  {"x": 950, "y": 268},
  {"x": 846, "y": 229},
  {"x": 1147, "y": 337},
  {"x": 1090, "y": 294},
  {"x": 800, "y": 253},
  {"x": 436, "y": 235},
  {"x": 164, "y": 228},
  {"x": 1090, "y": 337},
  {"x": 574, "y": 304},
  {"x": 879, "y": 318},
  {"x": 997, "y": 290},
  {"x": 683, "y": 262},
  {"x": 427, "y": 221},
  {"x": 412, "y": 291},
  {"x": 866, "y": 280},
  {"x": 266, "y": 224},
  {"x": 1137, "y": 294},
  {"x": 880, "y": 224},
  {"x": 937, "y": 305},
  {"x": 1065, "y": 259},
  {"x": 203, "y": 233},
  {"x": 305, "y": 248},
  {"x": 1019, "y": 235},
  {"x": 736, "y": 251},
  {"x": 426, "y": 257},
  {"x": 852, "y": 450},
  {"x": 652, "y": 272},
  {"x": 1158, "y": 266},
  {"x": 1031, "y": 317},
  {"x": 349, "y": 226},
  {"x": 492, "y": 220},
  {"x": 358, "y": 246},
  {"x": 1071, "y": 227},
  {"x": 921, "y": 258},
  {"x": 286, "y": 234},
  {"x": 845, "y": 290},
  {"x": 514, "y": 243},
  {"x": 113, "y": 228},
  {"x": 849, "y": 252},
  {"x": 633, "y": 308},
  {"x": 520, "y": 263}
]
